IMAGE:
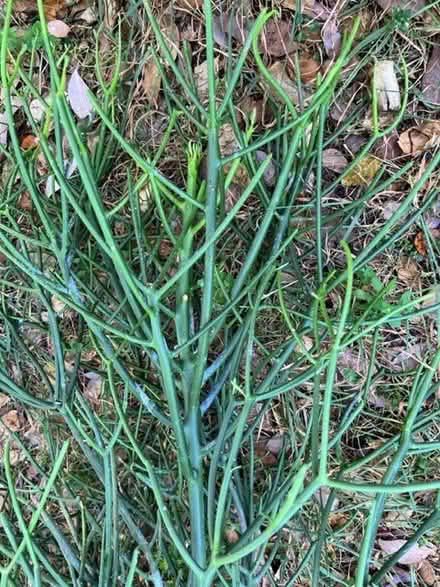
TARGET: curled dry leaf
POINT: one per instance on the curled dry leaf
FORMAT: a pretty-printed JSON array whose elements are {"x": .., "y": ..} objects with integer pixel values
[
  {"x": 276, "y": 39},
  {"x": 311, "y": 8},
  {"x": 414, "y": 555},
  {"x": 58, "y": 28},
  {"x": 334, "y": 160},
  {"x": 387, "y": 86},
  {"x": 331, "y": 37},
  {"x": 431, "y": 78},
  {"x": 418, "y": 138},
  {"x": 363, "y": 172},
  {"x": 78, "y": 94}
]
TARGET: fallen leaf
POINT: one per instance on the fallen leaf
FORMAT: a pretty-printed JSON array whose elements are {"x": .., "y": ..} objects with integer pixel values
[
  {"x": 24, "y": 201},
  {"x": 408, "y": 358},
  {"x": 58, "y": 305},
  {"x": 387, "y": 86},
  {"x": 420, "y": 244},
  {"x": 37, "y": 109},
  {"x": 331, "y": 37},
  {"x": 337, "y": 520},
  {"x": 235, "y": 24},
  {"x": 414, "y": 555},
  {"x": 383, "y": 120},
  {"x": 151, "y": 81},
  {"x": 363, "y": 172},
  {"x": 50, "y": 7},
  {"x": 354, "y": 143},
  {"x": 418, "y": 138},
  {"x": 431, "y": 78},
  {"x": 427, "y": 572},
  {"x": 58, "y": 28},
  {"x": 4, "y": 399},
  {"x": 93, "y": 387},
  {"x": 3, "y": 128},
  {"x": 322, "y": 496},
  {"x": 310, "y": 7},
  {"x": 201, "y": 77},
  {"x": 227, "y": 141},
  {"x": 29, "y": 142},
  {"x": 276, "y": 39},
  {"x": 389, "y": 209},
  {"x": 78, "y": 93},
  {"x": 171, "y": 34},
  {"x": 89, "y": 15},
  {"x": 387, "y": 147},
  {"x": 412, "y": 5},
  {"x": 231, "y": 535},
  {"x": 269, "y": 174},
  {"x": 334, "y": 160},
  {"x": 408, "y": 271},
  {"x": 308, "y": 69},
  {"x": 278, "y": 71},
  {"x": 11, "y": 420}
]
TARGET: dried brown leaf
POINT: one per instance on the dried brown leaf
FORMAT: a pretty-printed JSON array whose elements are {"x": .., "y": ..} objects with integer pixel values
[
  {"x": 308, "y": 69},
  {"x": 408, "y": 271},
  {"x": 354, "y": 143},
  {"x": 363, "y": 172},
  {"x": 387, "y": 147},
  {"x": 331, "y": 37},
  {"x": 334, "y": 160},
  {"x": 279, "y": 73},
  {"x": 151, "y": 81},
  {"x": 29, "y": 142},
  {"x": 277, "y": 39},
  {"x": 387, "y": 86},
  {"x": 431, "y": 79},
  {"x": 427, "y": 572},
  {"x": 418, "y": 138},
  {"x": 11, "y": 420},
  {"x": 414, "y": 555},
  {"x": 237, "y": 24},
  {"x": 201, "y": 77},
  {"x": 24, "y": 201}
]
